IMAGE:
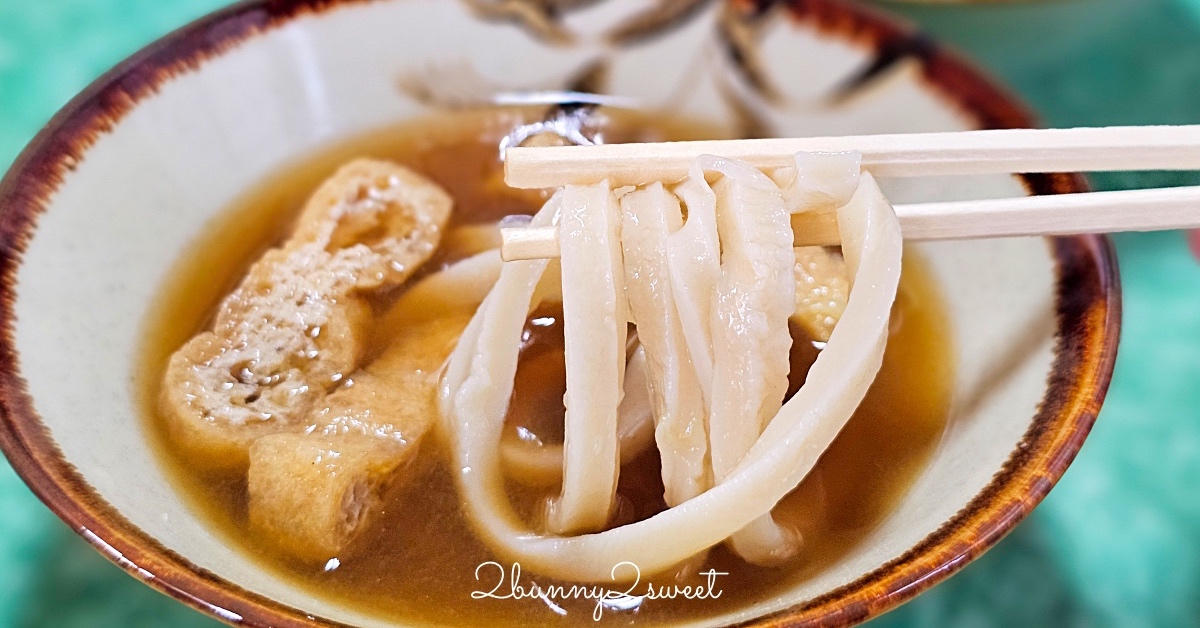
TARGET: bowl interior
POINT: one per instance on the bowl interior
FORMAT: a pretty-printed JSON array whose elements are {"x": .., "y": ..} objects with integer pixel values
[{"x": 174, "y": 158}]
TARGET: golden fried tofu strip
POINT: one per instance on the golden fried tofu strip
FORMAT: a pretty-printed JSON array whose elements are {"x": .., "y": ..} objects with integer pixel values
[
  {"x": 822, "y": 290},
  {"x": 312, "y": 492},
  {"x": 297, "y": 324}
]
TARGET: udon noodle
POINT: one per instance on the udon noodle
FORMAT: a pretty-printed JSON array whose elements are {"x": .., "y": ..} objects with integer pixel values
[{"x": 706, "y": 273}]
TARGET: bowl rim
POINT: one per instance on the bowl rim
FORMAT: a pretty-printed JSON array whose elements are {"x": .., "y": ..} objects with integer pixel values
[{"x": 1087, "y": 303}]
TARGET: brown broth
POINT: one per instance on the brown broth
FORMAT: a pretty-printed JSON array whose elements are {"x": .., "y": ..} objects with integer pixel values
[{"x": 417, "y": 562}]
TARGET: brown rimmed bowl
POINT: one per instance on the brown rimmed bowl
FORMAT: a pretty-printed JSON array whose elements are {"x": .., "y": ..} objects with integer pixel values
[{"x": 99, "y": 206}]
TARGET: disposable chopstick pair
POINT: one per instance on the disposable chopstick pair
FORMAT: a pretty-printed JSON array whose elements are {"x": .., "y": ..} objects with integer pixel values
[{"x": 909, "y": 155}]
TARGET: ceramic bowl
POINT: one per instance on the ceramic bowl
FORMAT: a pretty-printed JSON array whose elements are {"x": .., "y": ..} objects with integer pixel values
[{"x": 103, "y": 201}]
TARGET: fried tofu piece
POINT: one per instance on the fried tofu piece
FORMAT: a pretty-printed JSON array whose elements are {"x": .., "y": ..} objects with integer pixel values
[
  {"x": 388, "y": 216},
  {"x": 298, "y": 323},
  {"x": 822, "y": 290},
  {"x": 311, "y": 493}
]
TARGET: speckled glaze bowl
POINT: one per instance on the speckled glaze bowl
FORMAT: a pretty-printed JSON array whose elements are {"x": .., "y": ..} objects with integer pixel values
[{"x": 102, "y": 202}]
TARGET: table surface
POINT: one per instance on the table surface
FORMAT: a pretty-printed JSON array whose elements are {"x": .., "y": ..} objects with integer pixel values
[{"x": 1116, "y": 543}]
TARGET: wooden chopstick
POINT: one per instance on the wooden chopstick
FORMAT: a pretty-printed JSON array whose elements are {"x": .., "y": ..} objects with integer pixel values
[
  {"x": 1061, "y": 214},
  {"x": 904, "y": 155}
]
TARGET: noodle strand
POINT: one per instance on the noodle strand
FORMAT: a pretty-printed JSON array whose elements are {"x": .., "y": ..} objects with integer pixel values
[{"x": 477, "y": 387}]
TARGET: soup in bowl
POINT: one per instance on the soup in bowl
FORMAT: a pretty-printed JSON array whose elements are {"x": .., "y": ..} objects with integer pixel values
[{"x": 200, "y": 204}]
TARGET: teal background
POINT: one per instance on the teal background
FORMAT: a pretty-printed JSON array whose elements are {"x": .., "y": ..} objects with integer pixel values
[{"x": 1118, "y": 541}]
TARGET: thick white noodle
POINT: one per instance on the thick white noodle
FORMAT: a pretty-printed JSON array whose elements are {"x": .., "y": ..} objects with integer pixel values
[
  {"x": 635, "y": 421},
  {"x": 467, "y": 366},
  {"x": 474, "y": 238},
  {"x": 819, "y": 181},
  {"x": 650, "y": 215},
  {"x": 461, "y": 286},
  {"x": 755, "y": 295},
  {"x": 694, "y": 262},
  {"x": 595, "y": 323},
  {"x": 478, "y": 384},
  {"x": 542, "y": 465}
]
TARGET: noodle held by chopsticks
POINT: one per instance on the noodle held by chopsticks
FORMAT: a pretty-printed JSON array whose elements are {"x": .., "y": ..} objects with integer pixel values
[
  {"x": 477, "y": 387},
  {"x": 594, "y": 329},
  {"x": 650, "y": 216},
  {"x": 751, "y": 343}
]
